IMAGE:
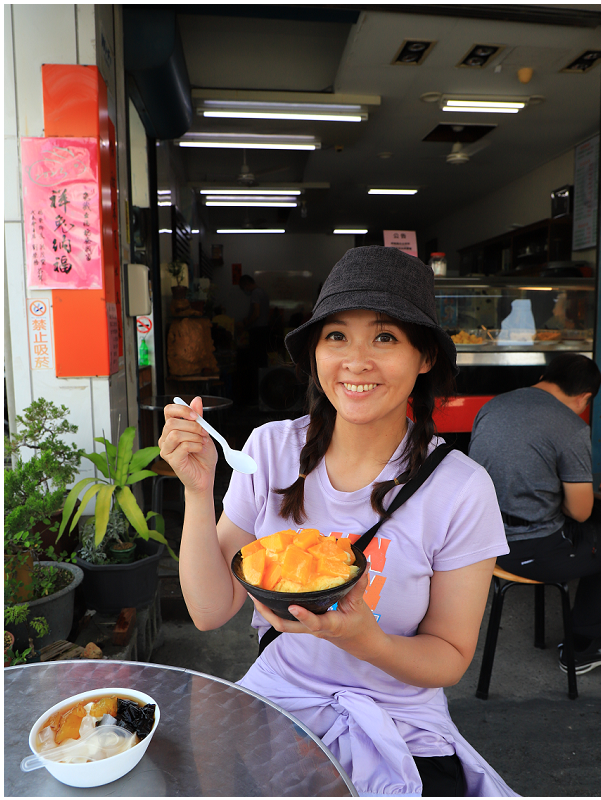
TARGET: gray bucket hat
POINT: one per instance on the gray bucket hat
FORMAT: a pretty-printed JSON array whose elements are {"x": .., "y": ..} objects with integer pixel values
[{"x": 378, "y": 279}]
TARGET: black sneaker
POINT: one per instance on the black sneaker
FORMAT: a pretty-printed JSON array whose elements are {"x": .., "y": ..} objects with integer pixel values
[{"x": 585, "y": 660}]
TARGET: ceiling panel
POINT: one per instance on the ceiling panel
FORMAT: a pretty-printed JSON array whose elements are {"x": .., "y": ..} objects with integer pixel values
[{"x": 295, "y": 55}]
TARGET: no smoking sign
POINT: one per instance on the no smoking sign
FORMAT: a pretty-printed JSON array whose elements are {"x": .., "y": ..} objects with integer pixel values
[{"x": 144, "y": 325}]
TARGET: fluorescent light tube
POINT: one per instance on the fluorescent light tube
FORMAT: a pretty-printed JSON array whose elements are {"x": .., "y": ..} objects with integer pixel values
[
  {"x": 165, "y": 230},
  {"x": 252, "y": 145},
  {"x": 249, "y": 204},
  {"x": 483, "y": 105},
  {"x": 252, "y": 109},
  {"x": 392, "y": 191},
  {"x": 250, "y": 140},
  {"x": 252, "y": 198},
  {"x": 163, "y": 203},
  {"x": 486, "y": 103},
  {"x": 350, "y": 230},
  {"x": 281, "y": 106},
  {"x": 283, "y": 115},
  {"x": 479, "y": 110},
  {"x": 250, "y": 192},
  {"x": 250, "y": 230}
]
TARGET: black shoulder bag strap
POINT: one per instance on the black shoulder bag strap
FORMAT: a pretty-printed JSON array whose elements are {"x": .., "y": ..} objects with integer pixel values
[{"x": 426, "y": 469}]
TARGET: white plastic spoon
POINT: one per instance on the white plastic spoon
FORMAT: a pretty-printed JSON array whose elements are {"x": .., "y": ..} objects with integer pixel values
[
  {"x": 101, "y": 742},
  {"x": 237, "y": 460}
]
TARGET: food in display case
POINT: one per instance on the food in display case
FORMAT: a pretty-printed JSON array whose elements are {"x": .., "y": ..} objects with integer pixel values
[
  {"x": 475, "y": 310},
  {"x": 467, "y": 337}
]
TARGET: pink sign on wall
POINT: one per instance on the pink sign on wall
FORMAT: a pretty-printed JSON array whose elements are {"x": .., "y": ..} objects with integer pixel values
[
  {"x": 402, "y": 240},
  {"x": 62, "y": 213}
]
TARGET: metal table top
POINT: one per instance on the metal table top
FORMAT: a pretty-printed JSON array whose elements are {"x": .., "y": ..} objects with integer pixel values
[
  {"x": 214, "y": 739},
  {"x": 210, "y": 402}
]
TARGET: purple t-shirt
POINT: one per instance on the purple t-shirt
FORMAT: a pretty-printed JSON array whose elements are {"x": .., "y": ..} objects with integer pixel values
[{"x": 452, "y": 521}]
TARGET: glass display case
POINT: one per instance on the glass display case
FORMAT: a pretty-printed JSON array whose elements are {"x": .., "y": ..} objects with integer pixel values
[{"x": 516, "y": 321}]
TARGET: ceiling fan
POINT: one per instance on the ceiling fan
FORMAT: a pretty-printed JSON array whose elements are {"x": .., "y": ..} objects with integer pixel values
[
  {"x": 461, "y": 154},
  {"x": 248, "y": 178}
]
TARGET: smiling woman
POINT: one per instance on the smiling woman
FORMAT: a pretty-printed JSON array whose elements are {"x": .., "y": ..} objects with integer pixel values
[
  {"x": 369, "y": 671},
  {"x": 367, "y": 368}
]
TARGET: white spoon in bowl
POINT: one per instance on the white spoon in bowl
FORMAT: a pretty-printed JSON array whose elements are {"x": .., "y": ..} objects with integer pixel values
[
  {"x": 237, "y": 460},
  {"x": 101, "y": 742}
]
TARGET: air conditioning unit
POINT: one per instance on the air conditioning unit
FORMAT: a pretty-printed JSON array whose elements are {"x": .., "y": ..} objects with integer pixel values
[{"x": 280, "y": 390}]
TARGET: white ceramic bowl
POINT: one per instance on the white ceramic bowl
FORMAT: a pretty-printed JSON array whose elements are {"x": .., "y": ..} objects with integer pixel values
[{"x": 95, "y": 773}]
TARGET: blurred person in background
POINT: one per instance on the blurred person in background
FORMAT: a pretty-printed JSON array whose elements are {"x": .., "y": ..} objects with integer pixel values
[
  {"x": 256, "y": 322},
  {"x": 537, "y": 450}
]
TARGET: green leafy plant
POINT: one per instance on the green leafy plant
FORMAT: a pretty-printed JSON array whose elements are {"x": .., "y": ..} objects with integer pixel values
[
  {"x": 120, "y": 468},
  {"x": 18, "y": 615},
  {"x": 117, "y": 530},
  {"x": 18, "y": 656},
  {"x": 177, "y": 269},
  {"x": 34, "y": 489},
  {"x": 48, "y": 580}
]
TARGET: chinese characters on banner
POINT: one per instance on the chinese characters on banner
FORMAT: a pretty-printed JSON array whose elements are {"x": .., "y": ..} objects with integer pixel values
[
  {"x": 402, "y": 240},
  {"x": 41, "y": 350},
  {"x": 113, "y": 330},
  {"x": 586, "y": 188},
  {"x": 62, "y": 213}
]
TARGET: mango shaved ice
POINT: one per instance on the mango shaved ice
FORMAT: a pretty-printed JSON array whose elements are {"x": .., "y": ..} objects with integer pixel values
[
  {"x": 74, "y": 723},
  {"x": 298, "y": 561}
]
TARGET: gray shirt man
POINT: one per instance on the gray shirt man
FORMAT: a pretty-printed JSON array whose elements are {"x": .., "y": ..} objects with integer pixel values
[{"x": 530, "y": 443}]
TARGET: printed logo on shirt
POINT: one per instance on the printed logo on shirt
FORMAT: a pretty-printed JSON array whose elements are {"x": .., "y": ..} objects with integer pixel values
[{"x": 375, "y": 553}]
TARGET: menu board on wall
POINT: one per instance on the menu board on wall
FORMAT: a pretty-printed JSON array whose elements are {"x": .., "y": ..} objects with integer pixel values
[
  {"x": 62, "y": 213},
  {"x": 586, "y": 182}
]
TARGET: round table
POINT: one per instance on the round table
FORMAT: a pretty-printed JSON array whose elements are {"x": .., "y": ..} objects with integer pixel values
[
  {"x": 210, "y": 402},
  {"x": 215, "y": 739}
]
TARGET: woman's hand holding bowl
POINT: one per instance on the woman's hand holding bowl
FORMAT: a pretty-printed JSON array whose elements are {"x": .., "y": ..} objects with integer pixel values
[{"x": 351, "y": 626}]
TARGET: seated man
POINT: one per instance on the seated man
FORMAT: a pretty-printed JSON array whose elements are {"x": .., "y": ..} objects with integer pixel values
[{"x": 537, "y": 450}]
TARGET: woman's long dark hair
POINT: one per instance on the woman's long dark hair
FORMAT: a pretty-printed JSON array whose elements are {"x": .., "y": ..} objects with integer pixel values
[{"x": 438, "y": 383}]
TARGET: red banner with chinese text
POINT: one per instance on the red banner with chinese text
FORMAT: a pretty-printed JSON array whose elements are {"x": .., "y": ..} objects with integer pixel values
[{"x": 62, "y": 213}]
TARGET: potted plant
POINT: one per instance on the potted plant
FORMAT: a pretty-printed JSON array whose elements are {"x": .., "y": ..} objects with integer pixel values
[
  {"x": 9, "y": 641},
  {"x": 34, "y": 493},
  {"x": 48, "y": 616},
  {"x": 34, "y": 489},
  {"x": 178, "y": 270},
  {"x": 18, "y": 617},
  {"x": 117, "y": 529}
]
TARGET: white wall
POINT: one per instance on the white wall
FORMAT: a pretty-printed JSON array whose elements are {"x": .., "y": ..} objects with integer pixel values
[
  {"x": 139, "y": 159},
  {"x": 519, "y": 203},
  {"x": 36, "y": 35}
]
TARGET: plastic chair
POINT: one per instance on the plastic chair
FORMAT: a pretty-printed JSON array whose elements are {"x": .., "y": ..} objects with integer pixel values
[
  {"x": 164, "y": 473},
  {"x": 502, "y": 581}
]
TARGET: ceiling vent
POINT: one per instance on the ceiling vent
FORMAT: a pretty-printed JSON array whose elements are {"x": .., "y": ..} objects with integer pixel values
[
  {"x": 584, "y": 62},
  {"x": 466, "y": 133},
  {"x": 480, "y": 55},
  {"x": 413, "y": 52}
]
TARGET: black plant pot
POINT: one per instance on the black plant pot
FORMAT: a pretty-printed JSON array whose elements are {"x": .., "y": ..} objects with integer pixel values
[
  {"x": 108, "y": 588},
  {"x": 57, "y": 609}
]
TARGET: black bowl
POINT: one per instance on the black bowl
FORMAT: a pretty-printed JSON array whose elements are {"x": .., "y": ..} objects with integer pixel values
[{"x": 316, "y": 602}]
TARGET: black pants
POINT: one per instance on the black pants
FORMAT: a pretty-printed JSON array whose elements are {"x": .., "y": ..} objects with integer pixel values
[
  {"x": 572, "y": 552},
  {"x": 442, "y": 776}
]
